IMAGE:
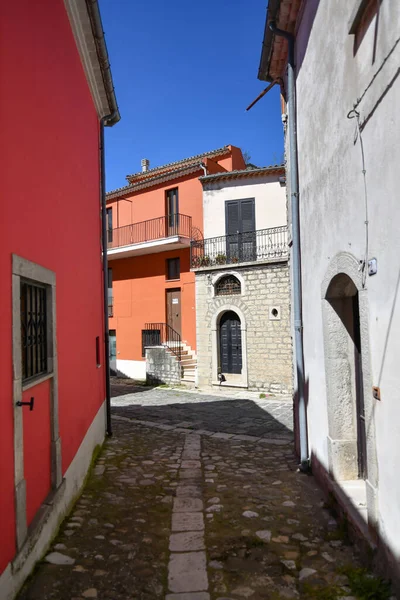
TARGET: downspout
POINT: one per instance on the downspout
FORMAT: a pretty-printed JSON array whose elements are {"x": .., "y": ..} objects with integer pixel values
[
  {"x": 296, "y": 263},
  {"x": 107, "y": 119}
]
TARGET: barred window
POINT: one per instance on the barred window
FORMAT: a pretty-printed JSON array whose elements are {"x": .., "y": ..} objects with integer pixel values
[
  {"x": 33, "y": 329},
  {"x": 227, "y": 286}
]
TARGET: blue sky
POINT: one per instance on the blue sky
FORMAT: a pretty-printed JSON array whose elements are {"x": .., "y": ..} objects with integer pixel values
[{"x": 184, "y": 73}]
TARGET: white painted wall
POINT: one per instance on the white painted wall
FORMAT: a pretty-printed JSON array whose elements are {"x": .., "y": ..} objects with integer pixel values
[
  {"x": 135, "y": 369},
  {"x": 270, "y": 202},
  {"x": 330, "y": 80}
]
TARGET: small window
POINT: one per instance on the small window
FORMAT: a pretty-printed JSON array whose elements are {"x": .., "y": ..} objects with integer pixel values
[
  {"x": 227, "y": 286},
  {"x": 173, "y": 268},
  {"x": 33, "y": 329}
]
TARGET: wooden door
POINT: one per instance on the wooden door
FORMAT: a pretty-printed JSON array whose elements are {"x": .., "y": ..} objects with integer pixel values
[
  {"x": 230, "y": 343},
  {"x": 174, "y": 309},
  {"x": 240, "y": 230}
]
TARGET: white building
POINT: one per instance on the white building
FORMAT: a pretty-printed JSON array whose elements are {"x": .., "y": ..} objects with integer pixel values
[
  {"x": 242, "y": 282},
  {"x": 347, "y": 57}
]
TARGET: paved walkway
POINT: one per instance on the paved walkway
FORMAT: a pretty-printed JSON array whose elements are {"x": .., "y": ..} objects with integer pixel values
[{"x": 197, "y": 497}]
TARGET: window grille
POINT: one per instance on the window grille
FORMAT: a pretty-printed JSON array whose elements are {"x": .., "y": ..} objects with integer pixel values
[
  {"x": 33, "y": 330},
  {"x": 227, "y": 286}
]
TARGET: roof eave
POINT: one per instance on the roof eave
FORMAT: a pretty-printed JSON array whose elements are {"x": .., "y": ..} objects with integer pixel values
[
  {"x": 268, "y": 42},
  {"x": 85, "y": 20}
]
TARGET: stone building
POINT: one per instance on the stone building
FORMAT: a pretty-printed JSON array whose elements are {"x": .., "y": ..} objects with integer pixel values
[{"x": 242, "y": 282}]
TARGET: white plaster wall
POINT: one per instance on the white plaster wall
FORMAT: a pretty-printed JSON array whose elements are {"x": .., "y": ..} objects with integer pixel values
[
  {"x": 135, "y": 369},
  {"x": 330, "y": 80},
  {"x": 270, "y": 202}
]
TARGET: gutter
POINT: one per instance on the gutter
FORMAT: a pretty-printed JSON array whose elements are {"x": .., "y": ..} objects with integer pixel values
[
  {"x": 106, "y": 121},
  {"x": 296, "y": 256},
  {"x": 102, "y": 53}
]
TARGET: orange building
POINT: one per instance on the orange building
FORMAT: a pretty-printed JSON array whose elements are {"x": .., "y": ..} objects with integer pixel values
[{"x": 151, "y": 222}]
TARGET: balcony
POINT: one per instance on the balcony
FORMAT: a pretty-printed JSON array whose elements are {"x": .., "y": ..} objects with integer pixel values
[
  {"x": 171, "y": 232},
  {"x": 263, "y": 245}
]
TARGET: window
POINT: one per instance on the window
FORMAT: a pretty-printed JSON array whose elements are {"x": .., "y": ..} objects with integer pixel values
[
  {"x": 109, "y": 225},
  {"x": 227, "y": 286},
  {"x": 364, "y": 13},
  {"x": 240, "y": 225},
  {"x": 150, "y": 337},
  {"x": 173, "y": 268},
  {"x": 33, "y": 329}
]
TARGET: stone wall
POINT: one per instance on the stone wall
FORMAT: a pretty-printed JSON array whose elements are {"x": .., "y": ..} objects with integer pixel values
[
  {"x": 161, "y": 366},
  {"x": 266, "y": 338}
]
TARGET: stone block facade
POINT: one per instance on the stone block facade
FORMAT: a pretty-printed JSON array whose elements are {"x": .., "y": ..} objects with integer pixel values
[
  {"x": 263, "y": 307},
  {"x": 161, "y": 366}
]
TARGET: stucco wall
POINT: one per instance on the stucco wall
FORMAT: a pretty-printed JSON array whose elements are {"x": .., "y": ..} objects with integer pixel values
[
  {"x": 270, "y": 202},
  {"x": 267, "y": 362},
  {"x": 51, "y": 216},
  {"x": 330, "y": 79}
]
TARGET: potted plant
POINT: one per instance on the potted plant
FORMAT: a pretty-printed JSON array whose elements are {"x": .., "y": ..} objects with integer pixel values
[{"x": 220, "y": 259}]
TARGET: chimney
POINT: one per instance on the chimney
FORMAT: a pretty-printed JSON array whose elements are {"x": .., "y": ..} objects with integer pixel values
[{"x": 145, "y": 164}]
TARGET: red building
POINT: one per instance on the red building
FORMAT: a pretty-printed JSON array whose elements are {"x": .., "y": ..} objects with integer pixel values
[
  {"x": 57, "y": 95},
  {"x": 151, "y": 222}
]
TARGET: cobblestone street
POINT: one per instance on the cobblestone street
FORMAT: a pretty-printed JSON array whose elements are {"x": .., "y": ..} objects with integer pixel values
[{"x": 197, "y": 497}]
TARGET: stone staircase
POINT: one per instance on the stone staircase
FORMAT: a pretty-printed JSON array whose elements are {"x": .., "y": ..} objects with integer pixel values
[{"x": 188, "y": 364}]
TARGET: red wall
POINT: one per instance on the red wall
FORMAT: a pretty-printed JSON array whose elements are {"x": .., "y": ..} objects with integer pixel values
[
  {"x": 37, "y": 452},
  {"x": 139, "y": 286},
  {"x": 50, "y": 215}
]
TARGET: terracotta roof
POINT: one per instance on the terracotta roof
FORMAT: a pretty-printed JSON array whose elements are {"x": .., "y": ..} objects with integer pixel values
[
  {"x": 179, "y": 163},
  {"x": 246, "y": 173},
  {"x": 274, "y": 48},
  {"x": 157, "y": 179}
]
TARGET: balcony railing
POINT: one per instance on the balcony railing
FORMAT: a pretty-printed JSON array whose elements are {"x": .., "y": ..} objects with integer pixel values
[
  {"x": 254, "y": 246},
  {"x": 110, "y": 307},
  {"x": 147, "y": 231}
]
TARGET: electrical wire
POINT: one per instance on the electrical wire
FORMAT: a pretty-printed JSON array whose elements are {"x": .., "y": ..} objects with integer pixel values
[{"x": 354, "y": 114}]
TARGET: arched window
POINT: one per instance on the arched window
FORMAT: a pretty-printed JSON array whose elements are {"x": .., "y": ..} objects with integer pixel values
[{"x": 227, "y": 286}]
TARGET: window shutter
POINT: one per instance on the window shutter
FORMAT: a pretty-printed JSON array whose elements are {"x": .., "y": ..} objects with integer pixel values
[
  {"x": 232, "y": 217},
  {"x": 247, "y": 216}
]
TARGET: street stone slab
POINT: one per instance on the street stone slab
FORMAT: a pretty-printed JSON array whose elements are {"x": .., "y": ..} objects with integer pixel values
[
  {"x": 186, "y": 490},
  {"x": 56, "y": 558},
  {"x": 189, "y": 596},
  {"x": 188, "y": 541},
  {"x": 187, "y": 572},
  {"x": 187, "y": 505},
  {"x": 190, "y": 474},
  {"x": 190, "y": 464},
  {"x": 187, "y": 521}
]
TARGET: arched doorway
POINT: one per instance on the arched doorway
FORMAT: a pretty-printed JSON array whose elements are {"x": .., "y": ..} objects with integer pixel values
[
  {"x": 230, "y": 343},
  {"x": 345, "y": 363}
]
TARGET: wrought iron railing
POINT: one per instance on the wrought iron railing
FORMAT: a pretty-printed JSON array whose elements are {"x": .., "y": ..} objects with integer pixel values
[
  {"x": 153, "y": 229},
  {"x": 162, "y": 334},
  {"x": 240, "y": 247}
]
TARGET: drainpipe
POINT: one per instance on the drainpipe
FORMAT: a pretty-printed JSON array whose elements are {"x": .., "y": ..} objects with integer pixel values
[
  {"x": 296, "y": 264},
  {"x": 108, "y": 119}
]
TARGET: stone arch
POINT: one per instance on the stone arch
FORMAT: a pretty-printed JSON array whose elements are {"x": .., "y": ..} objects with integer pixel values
[
  {"x": 218, "y": 276},
  {"x": 351, "y": 439},
  {"x": 215, "y": 320}
]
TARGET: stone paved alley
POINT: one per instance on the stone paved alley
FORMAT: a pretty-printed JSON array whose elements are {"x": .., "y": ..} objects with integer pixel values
[{"x": 197, "y": 497}]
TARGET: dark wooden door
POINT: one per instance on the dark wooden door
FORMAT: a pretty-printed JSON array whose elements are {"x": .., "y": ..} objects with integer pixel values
[
  {"x": 230, "y": 343},
  {"x": 174, "y": 309},
  {"x": 172, "y": 212},
  {"x": 240, "y": 228}
]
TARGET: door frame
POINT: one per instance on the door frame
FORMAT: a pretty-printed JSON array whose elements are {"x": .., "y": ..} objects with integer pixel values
[
  {"x": 167, "y": 291},
  {"x": 22, "y": 268},
  {"x": 215, "y": 343}
]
